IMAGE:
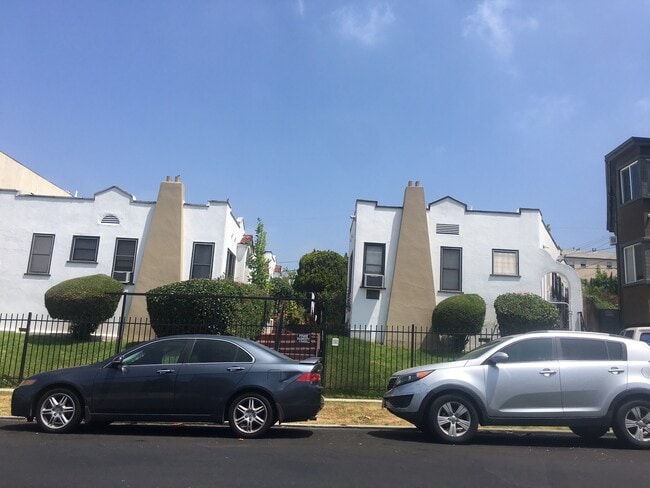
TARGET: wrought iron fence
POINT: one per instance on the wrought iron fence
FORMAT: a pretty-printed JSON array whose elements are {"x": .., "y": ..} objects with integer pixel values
[{"x": 357, "y": 362}]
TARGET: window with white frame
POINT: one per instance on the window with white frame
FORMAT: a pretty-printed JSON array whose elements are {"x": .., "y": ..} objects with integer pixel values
[
  {"x": 124, "y": 259},
  {"x": 84, "y": 249},
  {"x": 633, "y": 263},
  {"x": 451, "y": 262},
  {"x": 40, "y": 254},
  {"x": 374, "y": 255},
  {"x": 630, "y": 182},
  {"x": 505, "y": 262},
  {"x": 202, "y": 254}
]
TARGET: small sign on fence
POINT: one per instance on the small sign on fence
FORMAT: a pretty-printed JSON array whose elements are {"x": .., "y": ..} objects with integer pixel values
[{"x": 303, "y": 339}]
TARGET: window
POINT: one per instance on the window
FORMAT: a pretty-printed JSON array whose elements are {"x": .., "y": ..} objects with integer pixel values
[
  {"x": 162, "y": 352},
  {"x": 230, "y": 265},
  {"x": 630, "y": 182},
  {"x": 202, "y": 260},
  {"x": 505, "y": 263},
  {"x": 373, "y": 265},
  {"x": 84, "y": 249},
  {"x": 450, "y": 268},
  {"x": 530, "y": 350},
  {"x": 40, "y": 255},
  {"x": 124, "y": 259},
  {"x": 633, "y": 263},
  {"x": 217, "y": 351},
  {"x": 591, "y": 350}
]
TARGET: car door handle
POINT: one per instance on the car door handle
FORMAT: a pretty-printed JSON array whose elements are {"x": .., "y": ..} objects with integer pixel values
[
  {"x": 616, "y": 370},
  {"x": 236, "y": 368},
  {"x": 164, "y": 371},
  {"x": 547, "y": 372}
]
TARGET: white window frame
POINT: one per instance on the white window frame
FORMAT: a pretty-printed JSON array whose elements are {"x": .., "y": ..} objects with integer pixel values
[
  {"x": 630, "y": 179},
  {"x": 633, "y": 265}
]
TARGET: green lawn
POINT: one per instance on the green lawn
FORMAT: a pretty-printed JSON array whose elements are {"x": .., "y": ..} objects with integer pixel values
[
  {"x": 357, "y": 364},
  {"x": 45, "y": 352}
]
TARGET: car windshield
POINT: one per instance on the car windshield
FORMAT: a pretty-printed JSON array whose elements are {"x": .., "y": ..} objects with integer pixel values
[{"x": 474, "y": 353}]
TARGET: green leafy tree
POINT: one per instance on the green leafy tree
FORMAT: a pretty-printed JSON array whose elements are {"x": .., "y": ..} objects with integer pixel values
[
  {"x": 325, "y": 274},
  {"x": 518, "y": 313},
  {"x": 602, "y": 290},
  {"x": 459, "y": 317},
  {"x": 257, "y": 261},
  {"x": 86, "y": 302}
]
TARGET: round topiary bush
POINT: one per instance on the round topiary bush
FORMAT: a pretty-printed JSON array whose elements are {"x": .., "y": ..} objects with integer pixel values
[
  {"x": 86, "y": 302},
  {"x": 203, "y": 306},
  {"x": 518, "y": 313},
  {"x": 458, "y": 317}
]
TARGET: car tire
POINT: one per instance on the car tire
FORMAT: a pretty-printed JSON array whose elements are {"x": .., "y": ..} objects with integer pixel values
[
  {"x": 250, "y": 415},
  {"x": 453, "y": 419},
  {"x": 632, "y": 423},
  {"x": 589, "y": 432},
  {"x": 58, "y": 410}
]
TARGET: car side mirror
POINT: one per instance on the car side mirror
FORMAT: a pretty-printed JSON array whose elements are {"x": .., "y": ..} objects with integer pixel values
[
  {"x": 117, "y": 362},
  {"x": 499, "y": 357}
]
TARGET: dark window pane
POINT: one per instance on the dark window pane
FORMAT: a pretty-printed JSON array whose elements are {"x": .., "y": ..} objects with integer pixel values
[
  {"x": 581, "y": 349},
  {"x": 530, "y": 350}
]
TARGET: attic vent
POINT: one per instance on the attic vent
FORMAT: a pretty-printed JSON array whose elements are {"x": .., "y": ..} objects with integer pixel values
[
  {"x": 452, "y": 229},
  {"x": 110, "y": 219}
]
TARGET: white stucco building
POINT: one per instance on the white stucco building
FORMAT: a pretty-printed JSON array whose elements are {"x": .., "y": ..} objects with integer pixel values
[
  {"x": 46, "y": 239},
  {"x": 404, "y": 260}
]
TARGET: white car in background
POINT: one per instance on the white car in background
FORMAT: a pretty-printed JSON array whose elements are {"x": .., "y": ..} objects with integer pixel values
[{"x": 637, "y": 333}]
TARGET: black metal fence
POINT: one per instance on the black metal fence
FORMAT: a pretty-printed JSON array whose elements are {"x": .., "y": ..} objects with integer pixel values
[{"x": 357, "y": 362}]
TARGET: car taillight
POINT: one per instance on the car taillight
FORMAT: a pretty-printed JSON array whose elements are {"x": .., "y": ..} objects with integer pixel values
[{"x": 310, "y": 378}]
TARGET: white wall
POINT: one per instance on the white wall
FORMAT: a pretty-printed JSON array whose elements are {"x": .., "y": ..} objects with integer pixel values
[
  {"x": 377, "y": 225},
  {"x": 479, "y": 233},
  {"x": 65, "y": 217}
]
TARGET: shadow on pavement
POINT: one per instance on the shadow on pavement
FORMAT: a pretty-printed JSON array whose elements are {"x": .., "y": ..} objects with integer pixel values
[
  {"x": 163, "y": 430},
  {"x": 507, "y": 438}
]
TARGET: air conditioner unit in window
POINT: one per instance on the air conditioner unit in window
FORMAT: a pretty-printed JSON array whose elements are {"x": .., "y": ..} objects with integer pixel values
[
  {"x": 373, "y": 280},
  {"x": 125, "y": 277}
]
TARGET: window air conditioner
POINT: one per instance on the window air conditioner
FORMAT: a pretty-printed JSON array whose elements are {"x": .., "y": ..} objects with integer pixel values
[
  {"x": 125, "y": 277},
  {"x": 373, "y": 280}
]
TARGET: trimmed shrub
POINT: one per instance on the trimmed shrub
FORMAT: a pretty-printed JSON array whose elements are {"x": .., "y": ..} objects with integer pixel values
[
  {"x": 518, "y": 313},
  {"x": 458, "y": 317},
  {"x": 204, "y": 306},
  {"x": 86, "y": 302}
]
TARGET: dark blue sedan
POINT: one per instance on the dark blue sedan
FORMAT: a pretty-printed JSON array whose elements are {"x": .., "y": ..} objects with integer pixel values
[{"x": 187, "y": 378}]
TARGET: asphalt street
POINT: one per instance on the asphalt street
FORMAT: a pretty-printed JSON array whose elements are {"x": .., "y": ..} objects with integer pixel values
[{"x": 195, "y": 456}]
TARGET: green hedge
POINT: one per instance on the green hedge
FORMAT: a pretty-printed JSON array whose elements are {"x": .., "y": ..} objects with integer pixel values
[
  {"x": 518, "y": 313},
  {"x": 459, "y": 317},
  {"x": 86, "y": 302},
  {"x": 204, "y": 306}
]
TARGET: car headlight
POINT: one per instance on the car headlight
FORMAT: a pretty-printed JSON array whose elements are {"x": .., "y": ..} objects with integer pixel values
[{"x": 411, "y": 377}]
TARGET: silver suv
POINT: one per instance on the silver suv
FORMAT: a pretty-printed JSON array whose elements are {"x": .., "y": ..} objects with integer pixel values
[{"x": 586, "y": 381}]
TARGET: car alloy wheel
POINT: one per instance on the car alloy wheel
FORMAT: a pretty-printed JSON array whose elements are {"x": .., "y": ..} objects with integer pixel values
[
  {"x": 250, "y": 416},
  {"x": 453, "y": 419},
  {"x": 632, "y": 423},
  {"x": 58, "y": 410}
]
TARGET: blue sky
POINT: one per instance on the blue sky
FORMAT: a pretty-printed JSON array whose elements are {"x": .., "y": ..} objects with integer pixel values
[{"x": 295, "y": 109}]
